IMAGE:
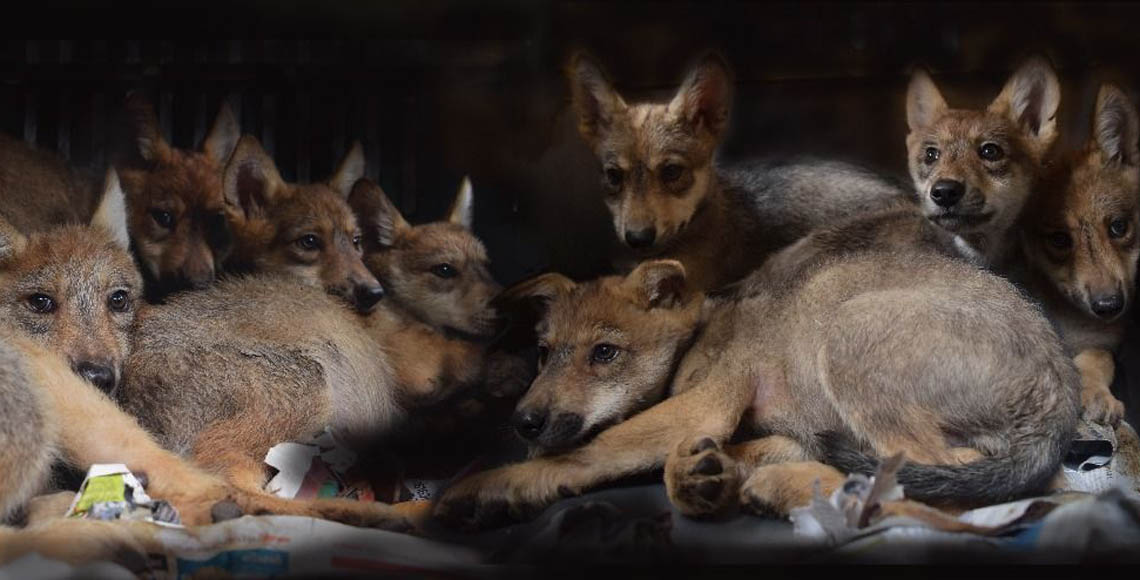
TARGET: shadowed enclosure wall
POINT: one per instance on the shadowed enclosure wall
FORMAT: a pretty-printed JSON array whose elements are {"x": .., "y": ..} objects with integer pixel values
[{"x": 437, "y": 90}]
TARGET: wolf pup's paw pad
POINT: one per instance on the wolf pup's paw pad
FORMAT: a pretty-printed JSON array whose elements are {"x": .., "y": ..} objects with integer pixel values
[{"x": 701, "y": 479}]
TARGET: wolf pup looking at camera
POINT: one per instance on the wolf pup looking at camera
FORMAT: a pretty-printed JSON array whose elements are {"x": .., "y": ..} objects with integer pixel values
[
  {"x": 668, "y": 197},
  {"x": 177, "y": 212},
  {"x": 70, "y": 296},
  {"x": 1079, "y": 239},
  {"x": 973, "y": 170},
  {"x": 642, "y": 372}
]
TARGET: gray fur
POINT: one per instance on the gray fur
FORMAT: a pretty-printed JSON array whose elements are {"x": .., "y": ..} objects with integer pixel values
[{"x": 26, "y": 440}]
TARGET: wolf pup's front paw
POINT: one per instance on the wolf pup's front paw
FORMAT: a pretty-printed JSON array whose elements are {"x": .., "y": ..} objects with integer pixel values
[
  {"x": 1101, "y": 407},
  {"x": 701, "y": 479},
  {"x": 492, "y": 499}
]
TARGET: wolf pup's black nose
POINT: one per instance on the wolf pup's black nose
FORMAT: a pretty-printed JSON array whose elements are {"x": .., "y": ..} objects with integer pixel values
[
  {"x": 1108, "y": 305},
  {"x": 529, "y": 423},
  {"x": 641, "y": 238},
  {"x": 99, "y": 375},
  {"x": 947, "y": 192},
  {"x": 366, "y": 296}
]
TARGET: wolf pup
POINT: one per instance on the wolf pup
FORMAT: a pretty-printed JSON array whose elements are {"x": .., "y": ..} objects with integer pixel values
[
  {"x": 69, "y": 298},
  {"x": 668, "y": 197},
  {"x": 437, "y": 273},
  {"x": 305, "y": 230},
  {"x": 225, "y": 374},
  {"x": 50, "y": 414},
  {"x": 974, "y": 169},
  {"x": 1080, "y": 241},
  {"x": 178, "y": 224},
  {"x": 73, "y": 288},
  {"x": 640, "y": 372}
]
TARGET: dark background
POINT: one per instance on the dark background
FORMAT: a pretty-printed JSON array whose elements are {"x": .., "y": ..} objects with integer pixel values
[{"x": 439, "y": 89}]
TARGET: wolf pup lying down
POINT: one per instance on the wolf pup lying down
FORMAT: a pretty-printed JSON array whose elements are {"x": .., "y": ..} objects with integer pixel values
[
  {"x": 307, "y": 231},
  {"x": 1079, "y": 239},
  {"x": 668, "y": 197},
  {"x": 642, "y": 372},
  {"x": 69, "y": 297},
  {"x": 177, "y": 212},
  {"x": 973, "y": 170},
  {"x": 224, "y": 374}
]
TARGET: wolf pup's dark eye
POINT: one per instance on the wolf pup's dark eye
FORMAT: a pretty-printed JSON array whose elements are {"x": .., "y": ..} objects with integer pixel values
[
  {"x": 671, "y": 172},
  {"x": 444, "y": 271},
  {"x": 603, "y": 353},
  {"x": 1060, "y": 240},
  {"x": 356, "y": 241},
  {"x": 932, "y": 154},
  {"x": 614, "y": 176},
  {"x": 119, "y": 302},
  {"x": 543, "y": 353},
  {"x": 309, "y": 242},
  {"x": 41, "y": 303},
  {"x": 162, "y": 218},
  {"x": 991, "y": 152},
  {"x": 1118, "y": 228}
]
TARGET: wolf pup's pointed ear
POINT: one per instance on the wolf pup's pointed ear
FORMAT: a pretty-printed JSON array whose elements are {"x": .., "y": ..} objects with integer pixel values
[
  {"x": 223, "y": 136},
  {"x": 594, "y": 98},
  {"x": 377, "y": 215},
  {"x": 1030, "y": 99},
  {"x": 705, "y": 97},
  {"x": 544, "y": 288},
  {"x": 349, "y": 171},
  {"x": 463, "y": 208},
  {"x": 112, "y": 212},
  {"x": 924, "y": 103},
  {"x": 152, "y": 145},
  {"x": 251, "y": 181},
  {"x": 659, "y": 284},
  {"x": 1116, "y": 127},
  {"x": 12, "y": 242}
]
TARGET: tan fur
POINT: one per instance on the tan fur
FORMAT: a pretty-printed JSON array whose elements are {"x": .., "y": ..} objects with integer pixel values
[
  {"x": 82, "y": 426},
  {"x": 307, "y": 231},
  {"x": 1020, "y": 123},
  {"x": 39, "y": 191},
  {"x": 177, "y": 209},
  {"x": 1076, "y": 261},
  {"x": 849, "y": 343}
]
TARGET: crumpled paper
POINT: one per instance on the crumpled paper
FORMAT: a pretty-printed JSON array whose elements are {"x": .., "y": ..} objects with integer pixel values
[{"x": 111, "y": 492}]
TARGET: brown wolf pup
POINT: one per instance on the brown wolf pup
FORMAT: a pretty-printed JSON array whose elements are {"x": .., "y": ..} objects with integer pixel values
[
  {"x": 70, "y": 296},
  {"x": 974, "y": 169},
  {"x": 73, "y": 288},
  {"x": 224, "y": 374},
  {"x": 305, "y": 230},
  {"x": 177, "y": 210},
  {"x": 39, "y": 191},
  {"x": 669, "y": 199},
  {"x": 976, "y": 392},
  {"x": 1079, "y": 239},
  {"x": 49, "y": 414},
  {"x": 436, "y": 272}
]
